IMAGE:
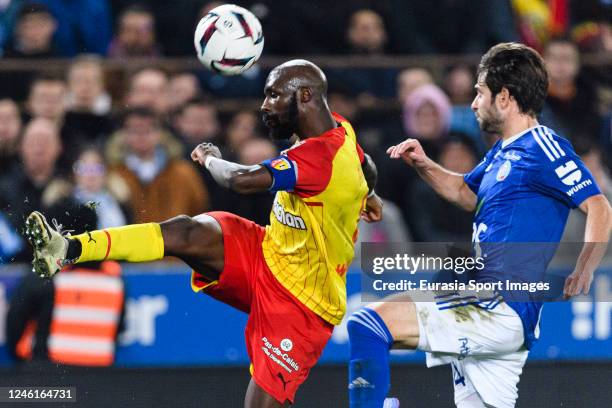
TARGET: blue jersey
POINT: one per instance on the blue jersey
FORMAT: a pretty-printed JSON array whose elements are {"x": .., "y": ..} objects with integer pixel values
[{"x": 526, "y": 186}]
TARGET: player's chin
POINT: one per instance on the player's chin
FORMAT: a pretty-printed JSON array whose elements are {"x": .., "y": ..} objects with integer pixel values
[{"x": 279, "y": 133}]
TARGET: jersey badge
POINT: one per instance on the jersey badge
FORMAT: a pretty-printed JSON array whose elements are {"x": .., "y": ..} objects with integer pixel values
[{"x": 503, "y": 171}]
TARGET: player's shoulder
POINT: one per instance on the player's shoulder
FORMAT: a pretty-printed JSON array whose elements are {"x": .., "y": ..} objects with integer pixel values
[
  {"x": 545, "y": 145},
  {"x": 320, "y": 147}
]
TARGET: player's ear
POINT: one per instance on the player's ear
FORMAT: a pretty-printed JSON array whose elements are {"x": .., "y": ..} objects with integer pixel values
[
  {"x": 503, "y": 98},
  {"x": 305, "y": 94}
]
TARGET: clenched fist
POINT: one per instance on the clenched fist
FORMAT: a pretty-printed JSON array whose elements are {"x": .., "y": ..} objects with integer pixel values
[{"x": 203, "y": 150}]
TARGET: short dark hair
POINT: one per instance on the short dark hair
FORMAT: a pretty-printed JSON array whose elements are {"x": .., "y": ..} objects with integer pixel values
[
  {"x": 136, "y": 9},
  {"x": 33, "y": 8},
  {"x": 519, "y": 69},
  {"x": 140, "y": 112},
  {"x": 201, "y": 100}
]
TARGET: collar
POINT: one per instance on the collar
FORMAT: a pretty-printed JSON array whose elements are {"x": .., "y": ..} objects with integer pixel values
[{"x": 510, "y": 140}]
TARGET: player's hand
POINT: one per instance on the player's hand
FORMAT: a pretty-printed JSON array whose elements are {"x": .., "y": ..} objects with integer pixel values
[
  {"x": 203, "y": 150},
  {"x": 577, "y": 283},
  {"x": 373, "y": 209},
  {"x": 411, "y": 151}
]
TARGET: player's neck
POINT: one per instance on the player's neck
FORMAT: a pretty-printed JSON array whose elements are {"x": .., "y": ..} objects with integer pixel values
[
  {"x": 316, "y": 124},
  {"x": 517, "y": 125}
]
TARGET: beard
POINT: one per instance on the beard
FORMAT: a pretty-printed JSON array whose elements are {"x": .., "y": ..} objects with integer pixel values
[
  {"x": 283, "y": 125},
  {"x": 492, "y": 123}
]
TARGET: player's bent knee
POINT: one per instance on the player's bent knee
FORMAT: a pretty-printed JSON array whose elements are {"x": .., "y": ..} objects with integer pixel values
[
  {"x": 400, "y": 315},
  {"x": 190, "y": 236}
]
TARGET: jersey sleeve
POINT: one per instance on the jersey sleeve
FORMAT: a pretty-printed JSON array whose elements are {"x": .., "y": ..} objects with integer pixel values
[
  {"x": 284, "y": 173},
  {"x": 474, "y": 177},
  {"x": 564, "y": 176},
  {"x": 304, "y": 169},
  {"x": 313, "y": 160}
]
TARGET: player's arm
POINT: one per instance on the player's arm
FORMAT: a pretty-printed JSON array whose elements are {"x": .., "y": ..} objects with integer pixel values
[
  {"x": 237, "y": 177},
  {"x": 450, "y": 185},
  {"x": 374, "y": 204},
  {"x": 596, "y": 236}
]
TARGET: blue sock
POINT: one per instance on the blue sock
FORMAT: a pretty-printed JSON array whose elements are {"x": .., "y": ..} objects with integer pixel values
[{"x": 369, "y": 376}]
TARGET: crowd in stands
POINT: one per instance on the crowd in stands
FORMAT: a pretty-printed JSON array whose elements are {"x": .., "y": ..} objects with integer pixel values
[{"x": 122, "y": 145}]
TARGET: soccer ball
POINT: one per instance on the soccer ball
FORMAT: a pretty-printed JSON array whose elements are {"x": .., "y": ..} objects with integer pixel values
[{"x": 228, "y": 40}]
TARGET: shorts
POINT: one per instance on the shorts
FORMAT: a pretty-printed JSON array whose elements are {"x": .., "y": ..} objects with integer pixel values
[
  {"x": 484, "y": 348},
  {"x": 284, "y": 338}
]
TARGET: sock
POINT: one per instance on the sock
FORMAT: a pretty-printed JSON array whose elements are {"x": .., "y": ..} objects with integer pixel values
[
  {"x": 132, "y": 243},
  {"x": 369, "y": 374}
]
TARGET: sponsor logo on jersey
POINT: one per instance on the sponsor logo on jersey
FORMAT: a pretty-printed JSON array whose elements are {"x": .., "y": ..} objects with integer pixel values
[
  {"x": 279, "y": 355},
  {"x": 286, "y": 218},
  {"x": 511, "y": 155},
  {"x": 286, "y": 344},
  {"x": 569, "y": 173},
  {"x": 503, "y": 171},
  {"x": 578, "y": 187},
  {"x": 280, "y": 164}
]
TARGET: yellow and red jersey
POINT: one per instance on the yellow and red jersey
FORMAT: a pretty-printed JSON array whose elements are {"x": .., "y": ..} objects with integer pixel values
[{"x": 321, "y": 191}]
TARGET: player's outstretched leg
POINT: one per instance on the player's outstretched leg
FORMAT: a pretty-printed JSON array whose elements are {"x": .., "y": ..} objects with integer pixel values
[
  {"x": 198, "y": 241},
  {"x": 372, "y": 332}
]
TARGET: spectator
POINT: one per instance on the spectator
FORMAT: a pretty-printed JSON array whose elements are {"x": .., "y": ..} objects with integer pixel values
[
  {"x": 366, "y": 33},
  {"x": 197, "y": 122},
  {"x": 23, "y": 189},
  {"x": 84, "y": 26},
  {"x": 86, "y": 87},
  {"x": 435, "y": 219},
  {"x": 242, "y": 127},
  {"x": 410, "y": 79},
  {"x": 108, "y": 195},
  {"x": 135, "y": 34},
  {"x": 151, "y": 171},
  {"x": 538, "y": 20},
  {"x": 38, "y": 325},
  {"x": 572, "y": 102},
  {"x": 33, "y": 36},
  {"x": 148, "y": 88},
  {"x": 88, "y": 119},
  {"x": 459, "y": 83},
  {"x": 47, "y": 99},
  {"x": 255, "y": 150},
  {"x": 427, "y": 115},
  {"x": 182, "y": 87},
  {"x": 10, "y": 129}
]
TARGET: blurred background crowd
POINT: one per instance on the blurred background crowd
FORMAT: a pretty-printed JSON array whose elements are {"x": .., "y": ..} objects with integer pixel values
[{"x": 101, "y": 101}]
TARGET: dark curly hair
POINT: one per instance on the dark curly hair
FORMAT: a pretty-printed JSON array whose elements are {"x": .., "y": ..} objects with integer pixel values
[{"x": 519, "y": 69}]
